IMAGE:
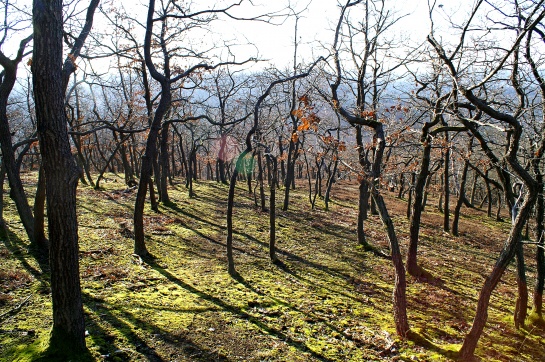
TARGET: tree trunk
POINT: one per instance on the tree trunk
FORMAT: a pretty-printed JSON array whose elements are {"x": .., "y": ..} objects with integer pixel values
[
  {"x": 164, "y": 165},
  {"x": 2, "y": 180},
  {"x": 400, "y": 283},
  {"x": 521, "y": 306},
  {"x": 446, "y": 188},
  {"x": 62, "y": 174},
  {"x": 411, "y": 193},
  {"x": 507, "y": 254},
  {"x": 540, "y": 252},
  {"x": 461, "y": 196},
  {"x": 260, "y": 181},
  {"x": 330, "y": 182},
  {"x": 39, "y": 208},
  {"x": 17, "y": 191},
  {"x": 474, "y": 188},
  {"x": 412, "y": 265},
  {"x": 230, "y": 205},
  {"x": 272, "y": 211},
  {"x": 145, "y": 173}
]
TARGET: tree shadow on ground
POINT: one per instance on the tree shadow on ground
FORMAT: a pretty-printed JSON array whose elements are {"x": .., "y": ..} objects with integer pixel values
[
  {"x": 19, "y": 249},
  {"x": 237, "y": 311}
]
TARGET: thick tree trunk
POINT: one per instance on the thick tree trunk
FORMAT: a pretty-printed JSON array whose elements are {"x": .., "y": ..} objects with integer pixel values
[{"x": 62, "y": 174}]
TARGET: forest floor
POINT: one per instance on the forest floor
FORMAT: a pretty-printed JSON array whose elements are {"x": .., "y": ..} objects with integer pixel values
[{"x": 328, "y": 300}]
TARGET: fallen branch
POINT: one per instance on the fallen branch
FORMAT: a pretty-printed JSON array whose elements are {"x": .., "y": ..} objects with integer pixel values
[{"x": 14, "y": 310}]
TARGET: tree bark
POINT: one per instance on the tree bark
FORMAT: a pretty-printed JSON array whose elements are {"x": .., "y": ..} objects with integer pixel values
[
  {"x": 412, "y": 265},
  {"x": 39, "y": 210},
  {"x": 62, "y": 174},
  {"x": 507, "y": 254}
]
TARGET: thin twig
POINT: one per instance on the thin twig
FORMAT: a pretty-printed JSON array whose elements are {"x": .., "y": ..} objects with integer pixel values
[{"x": 16, "y": 309}]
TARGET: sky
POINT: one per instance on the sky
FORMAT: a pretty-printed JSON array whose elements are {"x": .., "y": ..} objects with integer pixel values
[{"x": 275, "y": 43}]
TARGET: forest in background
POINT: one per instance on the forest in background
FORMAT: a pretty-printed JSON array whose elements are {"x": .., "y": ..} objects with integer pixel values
[{"x": 451, "y": 125}]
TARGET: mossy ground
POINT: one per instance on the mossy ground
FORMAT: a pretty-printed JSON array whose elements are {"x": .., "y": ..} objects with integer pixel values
[{"x": 327, "y": 300}]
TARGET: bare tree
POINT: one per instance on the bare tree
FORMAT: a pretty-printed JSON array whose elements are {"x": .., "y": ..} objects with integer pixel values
[
  {"x": 50, "y": 78},
  {"x": 502, "y": 117}
]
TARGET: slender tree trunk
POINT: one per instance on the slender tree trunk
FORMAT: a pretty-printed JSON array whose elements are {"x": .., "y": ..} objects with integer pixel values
[
  {"x": 260, "y": 181},
  {"x": 17, "y": 191},
  {"x": 164, "y": 165},
  {"x": 498, "y": 212},
  {"x": 362, "y": 213},
  {"x": 411, "y": 193},
  {"x": 272, "y": 211},
  {"x": 521, "y": 306},
  {"x": 461, "y": 196},
  {"x": 446, "y": 188},
  {"x": 401, "y": 186},
  {"x": 330, "y": 181},
  {"x": 230, "y": 204},
  {"x": 2, "y": 180},
  {"x": 489, "y": 197},
  {"x": 540, "y": 252},
  {"x": 412, "y": 264},
  {"x": 507, "y": 254},
  {"x": 145, "y": 173},
  {"x": 400, "y": 283},
  {"x": 426, "y": 191},
  {"x": 473, "y": 188}
]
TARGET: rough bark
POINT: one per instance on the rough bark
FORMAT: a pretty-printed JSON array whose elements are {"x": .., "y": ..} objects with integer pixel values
[{"x": 62, "y": 174}]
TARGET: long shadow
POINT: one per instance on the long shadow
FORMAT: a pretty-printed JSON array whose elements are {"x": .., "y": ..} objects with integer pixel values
[
  {"x": 174, "y": 207},
  {"x": 123, "y": 327},
  {"x": 19, "y": 249},
  {"x": 214, "y": 241},
  {"x": 288, "y": 255},
  {"x": 284, "y": 267},
  {"x": 236, "y": 311}
]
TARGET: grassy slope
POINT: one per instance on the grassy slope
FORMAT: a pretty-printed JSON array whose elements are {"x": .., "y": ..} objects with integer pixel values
[{"x": 327, "y": 301}]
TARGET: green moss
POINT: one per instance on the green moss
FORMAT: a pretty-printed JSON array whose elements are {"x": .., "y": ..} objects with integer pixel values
[{"x": 326, "y": 300}]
